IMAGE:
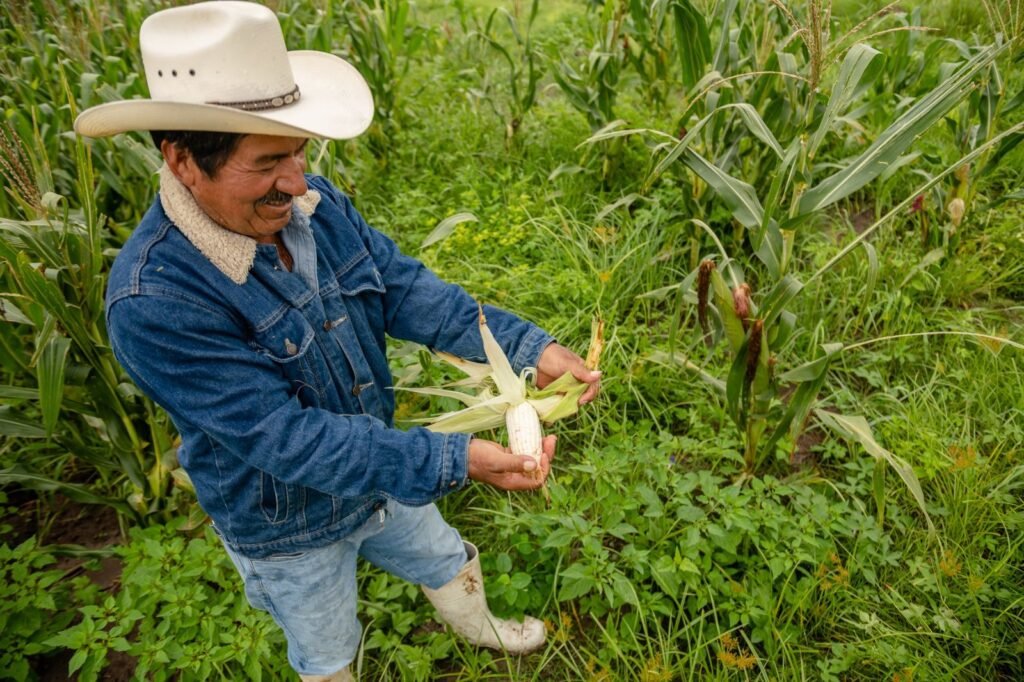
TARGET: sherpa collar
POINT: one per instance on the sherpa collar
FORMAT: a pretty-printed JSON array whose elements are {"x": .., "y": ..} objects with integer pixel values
[{"x": 232, "y": 253}]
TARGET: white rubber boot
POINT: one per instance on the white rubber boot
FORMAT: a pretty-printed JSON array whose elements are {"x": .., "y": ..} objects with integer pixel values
[
  {"x": 342, "y": 675},
  {"x": 462, "y": 604}
]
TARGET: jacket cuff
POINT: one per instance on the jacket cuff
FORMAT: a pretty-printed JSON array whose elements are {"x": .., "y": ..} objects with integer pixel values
[
  {"x": 454, "y": 462},
  {"x": 530, "y": 349}
]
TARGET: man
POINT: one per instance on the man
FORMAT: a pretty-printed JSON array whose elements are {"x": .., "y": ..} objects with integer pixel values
[{"x": 252, "y": 303}]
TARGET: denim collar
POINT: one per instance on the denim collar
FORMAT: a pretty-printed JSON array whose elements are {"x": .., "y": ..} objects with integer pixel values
[{"x": 232, "y": 253}]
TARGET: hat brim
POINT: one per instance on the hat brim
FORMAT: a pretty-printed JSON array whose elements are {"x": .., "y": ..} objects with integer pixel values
[{"x": 336, "y": 103}]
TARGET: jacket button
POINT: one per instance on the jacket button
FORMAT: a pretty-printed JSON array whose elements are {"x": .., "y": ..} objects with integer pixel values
[
  {"x": 290, "y": 347},
  {"x": 331, "y": 324}
]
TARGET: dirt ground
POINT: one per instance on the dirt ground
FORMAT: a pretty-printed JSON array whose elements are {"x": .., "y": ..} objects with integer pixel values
[{"x": 66, "y": 522}]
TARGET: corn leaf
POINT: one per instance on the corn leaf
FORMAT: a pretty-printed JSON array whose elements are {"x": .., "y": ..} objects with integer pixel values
[
  {"x": 737, "y": 195},
  {"x": 768, "y": 242},
  {"x": 756, "y": 126},
  {"x": 566, "y": 382},
  {"x": 861, "y": 65},
  {"x": 884, "y": 151},
  {"x": 11, "y": 313},
  {"x": 35, "y": 481},
  {"x": 559, "y": 406},
  {"x": 856, "y": 428},
  {"x": 50, "y": 374},
  {"x": 775, "y": 302},
  {"x": 721, "y": 58},
  {"x": 809, "y": 371},
  {"x": 734, "y": 387},
  {"x": 760, "y": 388},
  {"x": 693, "y": 42},
  {"x": 613, "y": 130},
  {"x": 872, "y": 278},
  {"x": 468, "y": 399},
  {"x": 18, "y": 393},
  {"x": 477, "y": 373},
  {"x": 663, "y": 358}
]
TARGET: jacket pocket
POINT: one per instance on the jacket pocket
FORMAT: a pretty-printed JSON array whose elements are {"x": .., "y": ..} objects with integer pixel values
[
  {"x": 361, "y": 276},
  {"x": 284, "y": 339},
  {"x": 288, "y": 341},
  {"x": 275, "y": 499}
]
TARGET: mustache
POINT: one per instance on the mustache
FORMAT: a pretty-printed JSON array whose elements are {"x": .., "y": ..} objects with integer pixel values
[{"x": 275, "y": 196}]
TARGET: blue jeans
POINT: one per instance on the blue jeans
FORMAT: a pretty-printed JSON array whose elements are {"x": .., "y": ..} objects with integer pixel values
[{"x": 311, "y": 595}]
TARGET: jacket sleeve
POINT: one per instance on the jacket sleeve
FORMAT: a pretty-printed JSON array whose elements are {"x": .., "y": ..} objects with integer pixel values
[
  {"x": 197, "y": 363},
  {"x": 421, "y": 307}
]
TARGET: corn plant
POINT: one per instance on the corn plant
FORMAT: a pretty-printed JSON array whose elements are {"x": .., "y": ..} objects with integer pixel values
[
  {"x": 693, "y": 42},
  {"x": 65, "y": 399},
  {"x": 755, "y": 332},
  {"x": 758, "y": 329},
  {"x": 525, "y": 67},
  {"x": 383, "y": 37},
  {"x": 592, "y": 86},
  {"x": 648, "y": 49}
]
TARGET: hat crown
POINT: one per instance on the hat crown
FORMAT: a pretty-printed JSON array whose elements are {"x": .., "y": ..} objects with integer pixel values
[{"x": 215, "y": 52}]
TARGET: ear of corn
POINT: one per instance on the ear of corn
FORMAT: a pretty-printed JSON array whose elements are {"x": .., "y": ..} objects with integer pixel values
[
  {"x": 503, "y": 397},
  {"x": 734, "y": 331},
  {"x": 524, "y": 434}
]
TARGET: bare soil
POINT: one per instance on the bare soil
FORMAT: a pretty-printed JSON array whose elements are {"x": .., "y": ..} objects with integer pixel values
[{"x": 62, "y": 521}]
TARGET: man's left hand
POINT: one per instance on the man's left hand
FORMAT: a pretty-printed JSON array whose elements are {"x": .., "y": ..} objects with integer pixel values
[{"x": 556, "y": 360}]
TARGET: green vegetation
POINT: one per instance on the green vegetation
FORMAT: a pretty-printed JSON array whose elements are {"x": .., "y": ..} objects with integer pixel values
[{"x": 801, "y": 223}]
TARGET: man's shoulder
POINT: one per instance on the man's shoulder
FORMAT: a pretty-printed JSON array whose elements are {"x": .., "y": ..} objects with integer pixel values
[{"x": 156, "y": 255}]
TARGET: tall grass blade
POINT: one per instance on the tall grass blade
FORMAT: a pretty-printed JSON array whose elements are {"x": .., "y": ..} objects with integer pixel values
[
  {"x": 13, "y": 426},
  {"x": 446, "y": 227}
]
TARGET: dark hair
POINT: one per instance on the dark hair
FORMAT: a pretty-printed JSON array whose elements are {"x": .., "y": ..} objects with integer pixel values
[{"x": 209, "y": 150}]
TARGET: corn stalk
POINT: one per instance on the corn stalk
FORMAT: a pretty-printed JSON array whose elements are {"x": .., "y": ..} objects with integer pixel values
[{"x": 65, "y": 398}]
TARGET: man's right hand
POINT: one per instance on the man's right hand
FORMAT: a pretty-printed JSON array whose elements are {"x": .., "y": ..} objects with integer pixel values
[{"x": 494, "y": 464}]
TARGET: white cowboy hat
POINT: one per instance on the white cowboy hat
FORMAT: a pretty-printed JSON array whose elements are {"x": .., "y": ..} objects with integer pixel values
[{"x": 223, "y": 67}]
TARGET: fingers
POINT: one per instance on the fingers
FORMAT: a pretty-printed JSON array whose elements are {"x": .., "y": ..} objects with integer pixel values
[
  {"x": 588, "y": 376},
  {"x": 548, "y": 447},
  {"x": 493, "y": 464}
]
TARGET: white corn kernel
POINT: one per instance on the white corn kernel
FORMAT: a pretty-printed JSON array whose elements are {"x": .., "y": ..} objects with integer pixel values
[{"x": 524, "y": 434}]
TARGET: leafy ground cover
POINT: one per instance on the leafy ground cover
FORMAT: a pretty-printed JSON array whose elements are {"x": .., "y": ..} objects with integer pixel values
[{"x": 806, "y": 461}]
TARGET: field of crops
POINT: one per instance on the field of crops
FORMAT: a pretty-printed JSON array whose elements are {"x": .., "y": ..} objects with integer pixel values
[{"x": 801, "y": 224}]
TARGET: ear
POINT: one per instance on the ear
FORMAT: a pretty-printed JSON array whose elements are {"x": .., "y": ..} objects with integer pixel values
[{"x": 181, "y": 163}]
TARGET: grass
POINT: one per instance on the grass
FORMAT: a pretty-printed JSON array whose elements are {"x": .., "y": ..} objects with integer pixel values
[{"x": 657, "y": 559}]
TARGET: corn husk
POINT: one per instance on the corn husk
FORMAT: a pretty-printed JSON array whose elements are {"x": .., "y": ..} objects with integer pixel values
[{"x": 498, "y": 388}]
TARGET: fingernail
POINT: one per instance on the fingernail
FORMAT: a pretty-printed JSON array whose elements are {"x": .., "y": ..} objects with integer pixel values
[{"x": 529, "y": 465}]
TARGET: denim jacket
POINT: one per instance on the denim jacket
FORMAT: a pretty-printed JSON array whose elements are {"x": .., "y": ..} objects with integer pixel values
[{"x": 282, "y": 392}]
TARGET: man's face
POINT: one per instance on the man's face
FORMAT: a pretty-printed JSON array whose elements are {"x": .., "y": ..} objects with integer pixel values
[{"x": 252, "y": 192}]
